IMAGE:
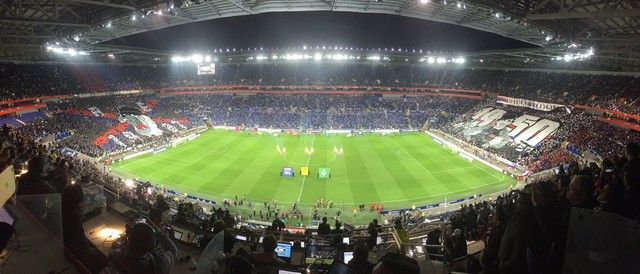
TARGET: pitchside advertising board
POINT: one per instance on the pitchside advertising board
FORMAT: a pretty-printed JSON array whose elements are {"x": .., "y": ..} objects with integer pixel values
[{"x": 502, "y": 130}]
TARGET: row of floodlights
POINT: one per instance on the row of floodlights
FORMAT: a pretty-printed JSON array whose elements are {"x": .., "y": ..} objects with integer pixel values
[
  {"x": 442, "y": 60},
  {"x": 66, "y": 51},
  {"x": 576, "y": 56},
  {"x": 318, "y": 57}
]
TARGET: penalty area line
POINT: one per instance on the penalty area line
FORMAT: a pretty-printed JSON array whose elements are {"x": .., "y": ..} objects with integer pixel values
[{"x": 305, "y": 177}]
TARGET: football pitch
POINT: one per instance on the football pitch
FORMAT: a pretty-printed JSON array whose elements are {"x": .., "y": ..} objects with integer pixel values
[{"x": 398, "y": 170}]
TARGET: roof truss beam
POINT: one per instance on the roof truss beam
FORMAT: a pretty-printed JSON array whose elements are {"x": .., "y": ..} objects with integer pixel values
[
  {"x": 103, "y": 4},
  {"x": 585, "y": 14}
]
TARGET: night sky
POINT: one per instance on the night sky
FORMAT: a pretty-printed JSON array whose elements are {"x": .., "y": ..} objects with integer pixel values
[{"x": 290, "y": 29}]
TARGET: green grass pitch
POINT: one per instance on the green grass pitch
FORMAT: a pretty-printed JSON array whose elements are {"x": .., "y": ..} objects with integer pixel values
[{"x": 398, "y": 170}]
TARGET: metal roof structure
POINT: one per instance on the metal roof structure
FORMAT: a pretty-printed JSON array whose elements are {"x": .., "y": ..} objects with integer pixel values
[{"x": 610, "y": 27}]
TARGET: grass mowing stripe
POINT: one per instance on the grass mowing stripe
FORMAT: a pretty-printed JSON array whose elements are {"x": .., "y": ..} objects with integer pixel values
[
  {"x": 304, "y": 178},
  {"x": 360, "y": 180},
  {"x": 234, "y": 163},
  {"x": 397, "y": 173}
]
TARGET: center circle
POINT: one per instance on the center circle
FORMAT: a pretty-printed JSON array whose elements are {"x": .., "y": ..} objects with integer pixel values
[{"x": 311, "y": 163}]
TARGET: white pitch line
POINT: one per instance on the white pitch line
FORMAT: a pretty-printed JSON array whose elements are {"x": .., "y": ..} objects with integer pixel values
[
  {"x": 308, "y": 160},
  {"x": 414, "y": 158}
]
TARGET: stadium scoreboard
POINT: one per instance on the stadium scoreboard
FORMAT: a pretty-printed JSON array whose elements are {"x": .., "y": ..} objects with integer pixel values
[{"x": 207, "y": 69}]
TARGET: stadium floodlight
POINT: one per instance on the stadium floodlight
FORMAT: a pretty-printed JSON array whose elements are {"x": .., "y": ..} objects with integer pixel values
[
  {"x": 340, "y": 57},
  {"x": 424, "y": 1},
  {"x": 261, "y": 57},
  {"x": 374, "y": 58},
  {"x": 431, "y": 60},
  {"x": 197, "y": 58},
  {"x": 497, "y": 15},
  {"x": 317, "y": 56},
  {"x": 72, "y": 52},
  {"x": 109, "y": 24},
  {"x": 293, "y": 57},
  {"x": 110, "y": 55},
  {"x": 441, "y": 60},
  {"x": 459, "y": 5},
  {"x": 459, "y": 60},
  {"x": 76, "y": 38},
  {"x": 134, "y": 17},
  {"x": 207, "y": 58},
  {"x": 548, "y": 38},
  {"x": 274, "y": 57}
]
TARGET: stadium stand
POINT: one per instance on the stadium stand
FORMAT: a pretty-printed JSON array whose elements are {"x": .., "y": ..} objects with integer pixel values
[{"x": 517, "y": 231}]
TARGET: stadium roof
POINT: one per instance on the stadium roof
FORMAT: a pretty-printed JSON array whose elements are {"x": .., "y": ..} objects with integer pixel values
[{"x": 612, "y": 28}]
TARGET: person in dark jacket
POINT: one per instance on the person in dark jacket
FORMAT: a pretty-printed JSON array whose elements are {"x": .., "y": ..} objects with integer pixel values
[
  {"x": 324, "y": 228},
  {"x": 360, "y": 261},
  {"x": 34, "y": 182},
  {"x": 372, "y": 229},
  {"x": 459, "y": 245},
  {"x": 73, "y": 234},
  {"x": 148, "y": 250},
  {"x": 517, "y": 237}
]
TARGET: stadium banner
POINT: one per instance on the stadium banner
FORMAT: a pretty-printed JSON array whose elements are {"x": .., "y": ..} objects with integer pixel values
[
  {"x": 304, "y": 171},
  {"x": 68, "y": 152},
  {"x": 519, "y": 102},
  {"x": 287, "y": 172},
  {"x": 324, "y": 172},
  {"x": 59, "y": 136},
  {"x": 99, "y": 94}
]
